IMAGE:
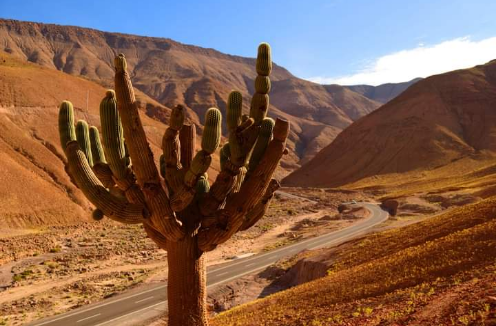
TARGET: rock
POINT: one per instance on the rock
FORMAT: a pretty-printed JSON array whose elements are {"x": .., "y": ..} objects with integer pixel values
[{"x": 391, "y": 206}]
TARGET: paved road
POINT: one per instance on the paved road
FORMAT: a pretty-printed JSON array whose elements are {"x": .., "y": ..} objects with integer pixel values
[{"x": 122, "y": 309}]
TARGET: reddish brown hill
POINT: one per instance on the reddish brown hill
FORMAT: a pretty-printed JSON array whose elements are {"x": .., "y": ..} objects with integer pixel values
[
  {"x": 172, "y": 73},
  {"x": 436, "y": 121},
  {"x": 34, "y": 189}
]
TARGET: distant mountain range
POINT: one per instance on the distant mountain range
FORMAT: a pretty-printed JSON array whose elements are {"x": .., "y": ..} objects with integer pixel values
[{"x": 437, "y": 121}]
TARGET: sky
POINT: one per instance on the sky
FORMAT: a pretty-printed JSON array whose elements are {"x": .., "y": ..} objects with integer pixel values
[{"x": 326, "y": 41}]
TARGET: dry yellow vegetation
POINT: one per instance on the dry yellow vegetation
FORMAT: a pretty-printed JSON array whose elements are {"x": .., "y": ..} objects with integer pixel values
[
  {"x": 475, "y": 175},
  {"x": 416, "y": 261}
]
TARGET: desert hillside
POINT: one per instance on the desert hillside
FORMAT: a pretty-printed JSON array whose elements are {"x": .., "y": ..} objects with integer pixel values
[
  {"x": 35, "y": 189},
  {"x": 436, "y": 122},
  {"x": 439, "y": 271},
  {"x": 172, "y": 73}
]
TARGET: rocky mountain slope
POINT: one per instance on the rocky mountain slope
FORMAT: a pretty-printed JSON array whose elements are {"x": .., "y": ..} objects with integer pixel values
[
  {"x": 34, "y": 188},
  {"x": 437, "y": 121},
  {"x": 171, "y": 73}
]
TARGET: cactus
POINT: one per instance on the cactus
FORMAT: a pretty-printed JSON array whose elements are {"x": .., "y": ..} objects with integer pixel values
[
  {"x": 67, "y": 131},
  {"x": 264, "y": 137},
  {"x": 112, "y": 134},
  {"x": 260, "y": 100},
  {"x": 96, "y": 146},
  {"x": 83, "y": 139},
  {"x": 211, "y": 132},
  {"x": 185, "y": 215}
]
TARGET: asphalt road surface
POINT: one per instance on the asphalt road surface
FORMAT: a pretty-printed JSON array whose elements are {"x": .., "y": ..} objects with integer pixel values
[{"x": 122, "y": 309}]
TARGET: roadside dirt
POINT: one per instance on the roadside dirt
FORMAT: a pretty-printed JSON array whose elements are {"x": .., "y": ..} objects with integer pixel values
[{"x": 56, "y": 269}]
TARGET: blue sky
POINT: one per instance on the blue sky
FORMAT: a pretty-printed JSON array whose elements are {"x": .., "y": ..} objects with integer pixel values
[{"x": 345, "y": 41}]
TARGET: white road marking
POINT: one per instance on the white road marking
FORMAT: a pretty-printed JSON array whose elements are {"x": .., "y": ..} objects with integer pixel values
[
  {"x": 144, "y": 299},
  {"x": 222, "y": 274},
  {"x": 100, "y": 305},
  {"x": 80, "y": 320},
  {"x": 132, "y": 312},
  {"x": 250, "y": 265}
]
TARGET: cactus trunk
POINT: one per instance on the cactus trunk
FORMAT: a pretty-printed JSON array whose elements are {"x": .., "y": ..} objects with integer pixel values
[{"x": 187, "y": 288}]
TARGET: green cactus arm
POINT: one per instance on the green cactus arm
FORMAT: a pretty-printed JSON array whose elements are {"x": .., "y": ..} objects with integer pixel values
[
  {"x": 201, "y": 162},
  {"x": 111, "y": 206},
  {"x": 212, "y": 130},
  {"x": 264, "y": 137},
  {"x": 67, "y": 131},
  {"x": 96, "y": 146},
  {"x": 161, "y": 214},
  {"x": 251, "y": 192},
  {"x": 83, "y": 139},
  {"x": 112, "y": 134},
  {"x": 202, "y": 187}
]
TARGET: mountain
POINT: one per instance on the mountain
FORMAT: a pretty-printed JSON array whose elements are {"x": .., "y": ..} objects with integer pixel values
[
  {"x": 382, "y": 93},
  {"x": 171, "y": 73},
  {"x": 35, "y": 190},
  {"x": 435, "y": 122}
]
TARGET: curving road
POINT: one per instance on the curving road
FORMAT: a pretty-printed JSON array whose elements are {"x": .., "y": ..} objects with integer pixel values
[{"x": 130, "y": 309}]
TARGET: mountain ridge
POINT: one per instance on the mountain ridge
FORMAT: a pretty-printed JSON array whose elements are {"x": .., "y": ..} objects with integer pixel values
[
  {"x": 437, "y": 121},
  {"x": 174, "y": 73}
]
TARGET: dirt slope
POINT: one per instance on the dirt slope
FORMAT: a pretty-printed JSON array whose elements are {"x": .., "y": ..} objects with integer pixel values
[
  {"x": 438, "y": 120},
  {"x": 171, "y": 73},
  {"x": 34, "y": 189},
  {"x": 436, "y": 272}
]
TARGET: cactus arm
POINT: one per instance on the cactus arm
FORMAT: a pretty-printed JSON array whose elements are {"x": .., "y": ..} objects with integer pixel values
[
  {"x": 113, "y": 137},
  {"x": 162, "y": 216},
  {"x": 139, "y": 149},
  {"x": 172, "y": 151},
  {"x": 104, "y": 174},
  {"x": 257, "y": 212},
  {"x": 202, "y": 160},
  {"x": 231, "y": 218},
  {"x": 96, "y": 146},
  {"x": 67, "y": 130},
  {"x": 187, "y": 137},
  {"x": 264, "y": 137},
  {"x": 156, "y": 236},
  {"x": 83, "y": 139},
  {"x": 243, "y": 134},
  {"x": 112, "y": 206}
]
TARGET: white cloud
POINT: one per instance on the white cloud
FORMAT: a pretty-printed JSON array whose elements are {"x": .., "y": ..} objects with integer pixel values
[{"x": 422, "y": 61}]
